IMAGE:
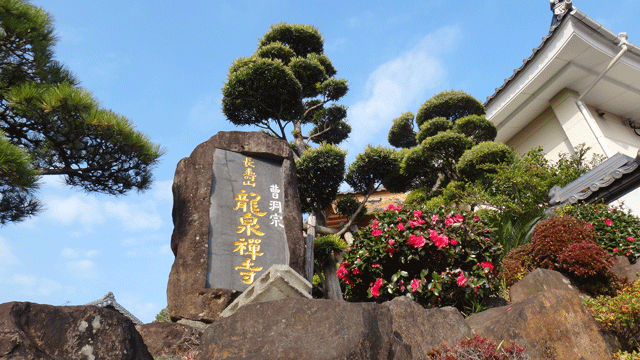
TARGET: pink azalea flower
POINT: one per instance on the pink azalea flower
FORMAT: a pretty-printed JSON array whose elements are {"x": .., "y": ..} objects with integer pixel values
[
  {"x": 400, "y": 226},
  {"x": 476, "y": 218},
  {"x": 416, "y": 241},
  {"x": 417, "y": 213},
  {"x": 449, "y": 222},
  {"x": 608, "y": 222},
  {"x": 459, "y": 218},
  {"x": 615, "y": 250},
  {"x": 356, "y": 271},
  {"x": 342, "y": 272},
  {"x": 375, "y": 289},
  {"x": 454, "y": 242},
  {"x": 435, "y": 218},
  {"x": 376, "y": 232},
  {"x": 394, "y": 207},
  {"x": 391, "y": 250},
  {"x": 375, "y": 265},
  {"x": 589, "y": 225},
  {"x": 391, "y": 242},
  {"x": 439, "y": 240},
  {"x": 415, "y": 284},
  {"x": 462, "y": 281},
  {"x": 627, "y": 253},
  {"x": 630, "y": 239},
  {"x": 375, "y": 224},
  {"x": 486, "y": 264}
]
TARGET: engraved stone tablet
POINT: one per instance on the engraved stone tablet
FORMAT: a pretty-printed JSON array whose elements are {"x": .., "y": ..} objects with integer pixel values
[
  {"x": 236, "y": 211},
  {"x": 247, "y": 232}
]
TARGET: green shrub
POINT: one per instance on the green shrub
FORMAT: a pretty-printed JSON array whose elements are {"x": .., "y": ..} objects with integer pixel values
[
  {"x": 476, "y": 127},
  {"x": 618, "y": 230},
  {"x": 619, "y": 314},
  {"x": 401, "y": 134},
  {"x": 451, "y": 105},
  {"x": 470, "y": 165},
  {"x": 436, "y": 257},
  {"x": 163, "y": 316},
  {"x": 348, "y": 205},
  {"x": 433, "y": 127},
  {"x": 479, "y": 348}
]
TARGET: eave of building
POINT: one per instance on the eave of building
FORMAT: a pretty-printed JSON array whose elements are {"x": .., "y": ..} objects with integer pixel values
[{"x": 571, "y": 56}]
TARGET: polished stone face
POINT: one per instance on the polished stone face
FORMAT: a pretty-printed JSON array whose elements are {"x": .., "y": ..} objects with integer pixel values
[{"x": 247, "y": 233}]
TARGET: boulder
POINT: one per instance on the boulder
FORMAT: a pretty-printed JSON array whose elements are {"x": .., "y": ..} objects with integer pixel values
[
  {"x": 623, "y": 268},
  {"x": 31, "y": 331},
  {"x": 188, "y": 294},
  {"x": 305, "y": 329},
  {"x": 425, "y": 329},
  {"x": 538, "y": 281},
  {"x": 550, "y": 325},
  {"x": 167, "y": 340}
]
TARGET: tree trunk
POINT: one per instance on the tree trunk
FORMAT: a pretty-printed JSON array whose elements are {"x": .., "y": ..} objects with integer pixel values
[
  {"x": 311, "y": 237},
  {"x": 332, "y": 284}
]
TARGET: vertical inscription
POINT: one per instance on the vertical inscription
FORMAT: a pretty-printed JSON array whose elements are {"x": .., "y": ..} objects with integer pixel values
[{"x": 244, "y": 239}]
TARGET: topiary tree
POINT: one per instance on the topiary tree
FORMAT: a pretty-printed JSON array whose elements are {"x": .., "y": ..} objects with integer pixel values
[
  {"x": 452, "y": 124},
  {"x": 289, "y": 83}
]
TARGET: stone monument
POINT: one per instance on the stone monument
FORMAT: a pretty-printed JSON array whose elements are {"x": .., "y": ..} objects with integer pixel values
[{"x": 236, "y": 212}]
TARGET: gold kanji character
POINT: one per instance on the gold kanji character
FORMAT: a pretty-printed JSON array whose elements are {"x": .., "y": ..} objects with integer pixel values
[
  {"x": 241, "y": 245},
  {"x": 248, "y": 162},
  {"x": 250, "y": 176},
  {"x": 254, "y": 205},
  {"x": 249, "y": 223},
  {"x": 254, "y": 247},
  {"x": 249, "y": 275},
  {"x": 242, "y": 200}
]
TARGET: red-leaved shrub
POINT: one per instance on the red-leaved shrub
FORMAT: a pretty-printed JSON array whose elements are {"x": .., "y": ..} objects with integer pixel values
[
  {"x": 479, "y": 348},
  {"x": 553, "y": 235},
  {"x": 585, "y": 259}
]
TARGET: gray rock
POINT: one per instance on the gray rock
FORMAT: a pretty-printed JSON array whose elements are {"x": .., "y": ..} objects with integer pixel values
[
  {"x": 538, "y": 281},
  {"x": 550, "y": 325},
  {"x": 31, "y": 331},
  {"x": 305, "y": 329},
  {"x": 187, "y": 293},
  {"x": 425, "y": 329},
  {"x": 168, "y": 340},
  {"x": 623, "y": 268}
]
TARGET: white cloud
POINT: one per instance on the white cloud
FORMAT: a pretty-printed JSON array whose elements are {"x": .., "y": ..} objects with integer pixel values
[
  {"x": 138, "y": 216},
  {"x": 143, "y": 310},
  {"x": 78, "y": 263},
  {"x": 86, "y": 210},
  {"x": 162, "y": 190},
  {"x": 35, "y": 286},
  {"x": 397, "y": 84},
  {"x": 6, "y": 255}
]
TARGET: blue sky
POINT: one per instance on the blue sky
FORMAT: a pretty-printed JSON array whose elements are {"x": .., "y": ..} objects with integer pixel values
[{"x": 163, "y": 65}]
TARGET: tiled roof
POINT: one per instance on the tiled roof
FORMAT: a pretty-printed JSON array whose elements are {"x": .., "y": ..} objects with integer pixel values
[{"x": 110, "y": 300}]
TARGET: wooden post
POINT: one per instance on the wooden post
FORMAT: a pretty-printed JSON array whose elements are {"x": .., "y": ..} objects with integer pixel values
[{"x": 311, "y": 236}]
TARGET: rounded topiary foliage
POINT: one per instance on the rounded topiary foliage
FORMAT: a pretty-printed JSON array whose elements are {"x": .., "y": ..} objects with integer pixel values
[
  {"x": 348, "y": 205},
  {"x": 433, "y": 127},
  {"x": 401, "y": 134},
  {"x": 553, "y": 235},
  {"x": 419, "y": 165},
  {"x": 302, "y": 39},
  {"x": 487, "y": 152},
  {"x": 476, "y": 127},
  {"x": 451, "y": 105}
]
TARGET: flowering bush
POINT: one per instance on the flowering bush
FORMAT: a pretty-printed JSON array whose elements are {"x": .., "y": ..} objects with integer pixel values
[
  {"x": 619, "y": 314},
  {"x": 478, "y": 348},
  {"x": 437, "y": 258},
  {"x": 618, "y": 231}
]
